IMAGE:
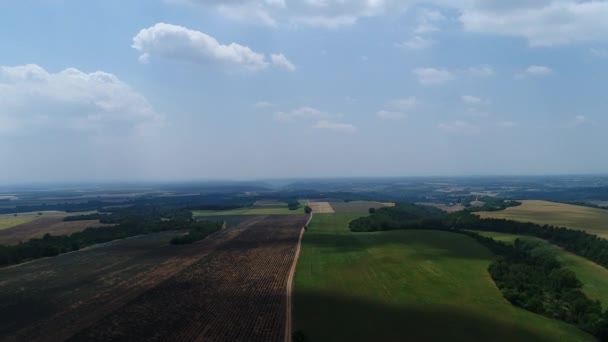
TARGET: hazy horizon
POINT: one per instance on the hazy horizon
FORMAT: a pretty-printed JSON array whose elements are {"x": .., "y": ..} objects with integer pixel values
[{"x": 193, "y": 90}]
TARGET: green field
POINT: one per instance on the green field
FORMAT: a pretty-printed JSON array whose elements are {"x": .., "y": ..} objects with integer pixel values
[
  {"x": 9, "y": 221},
  {"x": 591, "y": 220},
  {"x": 593, "y": 276},
  {"x": 249, "y": 211},
  {"x": 405, "y": 285}
]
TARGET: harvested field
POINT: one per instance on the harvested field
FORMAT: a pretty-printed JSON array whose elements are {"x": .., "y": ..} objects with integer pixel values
[
  {"x": 38, "y": 298},
  {"x": 591, "y": 220},
  {"x": 361, "y": 207},
  {"x": 46, "y": 224},
  {"x": 321, "y": 207},
  {"x": 236, "y": 293}
]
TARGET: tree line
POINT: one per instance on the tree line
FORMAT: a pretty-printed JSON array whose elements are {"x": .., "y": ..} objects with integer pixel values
[
  {"x": 128, "y": 222},
  {"x": 198, "y": 231}
]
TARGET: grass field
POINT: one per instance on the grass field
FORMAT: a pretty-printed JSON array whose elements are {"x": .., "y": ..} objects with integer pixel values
[
  {"x": 9, "y": 221},
  {"x": 591, "y": 220},
  {"x": 405, "y": 285},
  {"x": 249, "y": 211},
  {"x": 593, "y": 276}
]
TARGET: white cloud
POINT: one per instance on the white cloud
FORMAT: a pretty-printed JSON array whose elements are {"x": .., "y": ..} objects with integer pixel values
[
  {"x": 428, "y": 21},
  {"x": 472, "y": 100},
  {"x": 481, "y": 71},
  {"x": 264, "y": 104},
  {"x": 404, "y": 104},
  {"x": 329, "y": 14},
  {"x": 390, "y": 115},
  {"x": 459, "y": 127},
  {"x": 578, "y": 120},
  {"x": 327, "y": 22},
  {"x": 336, "y": 126},
  {"x": 182, "y": 44},
  {"x": 302, "y": 113},
  {"x": 281, "y": 61},
  {"x": 542, "y": 23},
  {"x": 539, "y": 70},
  {"x": 599, "y": 53},
  {"x": 417, "y": 43},
  {"x": 433, "y": 76},
  {"x": 31, "y": 97},
  {"x": 535, "y": 71},
  {"x": 506, "y": 124}
]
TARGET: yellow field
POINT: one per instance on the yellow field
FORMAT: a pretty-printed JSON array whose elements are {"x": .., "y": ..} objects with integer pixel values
[
  {"x": 591, "y": 220},
  {"x": 9, "y": 221}
]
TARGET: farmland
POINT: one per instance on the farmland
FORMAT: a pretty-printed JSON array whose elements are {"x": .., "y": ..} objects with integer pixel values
[
  {"x": 360, "y": 207},
  {"x": 321, "y": 207},
  {"x": 386, "y": 285},
  {"x": 256, "y": 210},
  {"x": 237, "y": 293},
  {"x": 185, "y": 291},
  {"x": 593, "y": 276},
  {"x": 8, "y": 221},
  {"x": 591, "y": 220},
  {"x": 37, "y": 228}
]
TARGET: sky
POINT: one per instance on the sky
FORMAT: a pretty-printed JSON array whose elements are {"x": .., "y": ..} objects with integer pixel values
[{"x": 118, "y": 90}]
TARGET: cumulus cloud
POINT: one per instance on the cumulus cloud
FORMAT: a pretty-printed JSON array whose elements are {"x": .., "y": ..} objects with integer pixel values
[
  {"x": 336, "y": 126},
  {"x": 428, "y": 21},
  {"x": 459, "y": 127},
  {"x": 417, "y": 43},
  {"x": 542, "y": 23},
  {"x": 281, "y": 61},
  {"x": 404, "y": 103},
  {"x": 506, "y": 124},
  {"x": 328, "y": 22},
  {"x": 32, "y": 97},
  {"x": 302, "y": 113},
  {"x": 471, "y": 100},
  {"x": 319, "y": 119},
  {"x": 264, "y": 104},
  {"x": 328, "y": 14},
  {"x": 433, "y": 76},
  {"x": 578, "y": 120},
  {"x": 535, "y": 71},
  {"x": 481, "y": 71},
  {"x": 183, "y": 44},
  {"x": 598, "y": 52},
  {"x": 390, "y": 115}
]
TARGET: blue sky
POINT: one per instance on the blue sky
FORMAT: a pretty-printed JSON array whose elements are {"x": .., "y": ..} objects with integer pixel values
[{"x": 203, "y": 89}]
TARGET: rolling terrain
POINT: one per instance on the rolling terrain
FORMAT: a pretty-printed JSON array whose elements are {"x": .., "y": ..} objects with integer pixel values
[
  {"x": 593, "y": 276},
  {"x": 591, "y": 220},
  {"x": 426, "y": 285}
]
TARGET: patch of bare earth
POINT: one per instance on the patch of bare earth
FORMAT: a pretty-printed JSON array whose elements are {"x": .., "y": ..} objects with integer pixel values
[
  {"x": 321, "y": 207},
  {"x": 236, "y": 293},
  {"x": 54, "y": 298}
]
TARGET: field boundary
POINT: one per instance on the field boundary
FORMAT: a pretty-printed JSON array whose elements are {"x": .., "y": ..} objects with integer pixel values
[{"x": 290, "y": 276}]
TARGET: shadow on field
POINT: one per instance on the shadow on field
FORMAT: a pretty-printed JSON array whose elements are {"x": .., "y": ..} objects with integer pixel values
[
  {"x": 321, "y": 317},
  {"x": 427, "y": 244}
]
